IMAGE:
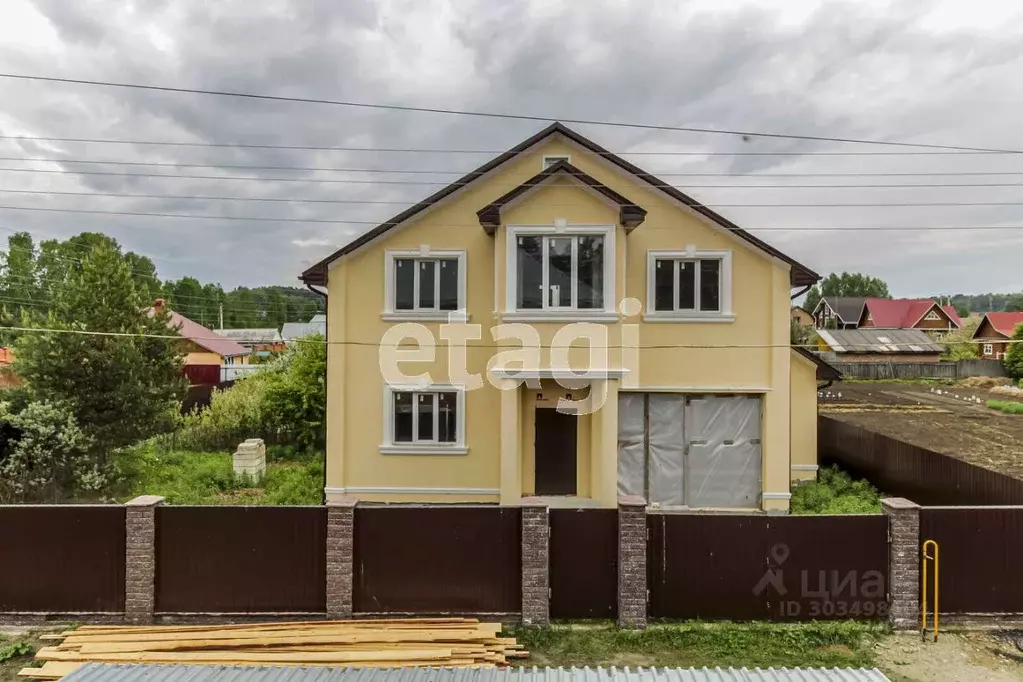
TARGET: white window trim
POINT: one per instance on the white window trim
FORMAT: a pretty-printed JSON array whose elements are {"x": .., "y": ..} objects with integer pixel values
[
  {"x": 605, "y": 314},
  {"x": 989, "y": 349},
  {"x": 932, "y": 315},
  {"x": 547, "y": 157},
  {"x": 389, "y": 314},
  {"x": 724, "y": 315},
  {"x": 389, "y": 447}
]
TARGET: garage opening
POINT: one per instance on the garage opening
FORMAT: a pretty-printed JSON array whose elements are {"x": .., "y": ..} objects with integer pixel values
[{"x": 685, "y": 450}]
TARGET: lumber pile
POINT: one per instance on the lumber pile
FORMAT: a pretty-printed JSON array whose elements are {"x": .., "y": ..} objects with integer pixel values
[{"x": 438, "y": 642}]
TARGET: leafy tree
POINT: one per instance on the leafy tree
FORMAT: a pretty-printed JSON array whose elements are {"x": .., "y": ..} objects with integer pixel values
[
  {"x": 959, "y": 344},
  {"x": 19, "y": 278},
  {"x": 1014, "y": 358},
  {"x": 119, "y": 388},
  {"x": 297, "y": 390},
  {"x": 1014, "y": 303},
  {"x": 846, "y": 284},
  {"x": 48, "y": 458},
  {"x": 962, "y": 311},
  {"x": 802, "y": 334}
]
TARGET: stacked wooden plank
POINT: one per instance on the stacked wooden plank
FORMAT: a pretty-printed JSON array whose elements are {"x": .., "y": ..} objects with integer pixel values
[{"x": 458, "y": 642}]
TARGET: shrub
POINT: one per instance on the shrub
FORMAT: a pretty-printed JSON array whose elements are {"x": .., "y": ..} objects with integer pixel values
[
  {"x": 1014, "y": 358},
  {"x": 47, "y": 456},
  {"x": 835, "y": 492},
  {"x": 1006, "y": 406}
]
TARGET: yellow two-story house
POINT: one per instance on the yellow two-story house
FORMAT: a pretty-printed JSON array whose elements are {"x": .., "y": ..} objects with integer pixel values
[{"x": 561, "y": 324}]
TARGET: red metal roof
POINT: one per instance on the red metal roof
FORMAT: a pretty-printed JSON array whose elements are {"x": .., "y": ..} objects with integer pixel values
[
  {"x": 1005, "y": 323},
  {"x": 950, "y": 310},
  {"x": 903, "y": 313},
  {"x": 201, "y": 336}
]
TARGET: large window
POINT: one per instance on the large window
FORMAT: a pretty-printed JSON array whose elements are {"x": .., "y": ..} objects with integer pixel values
[
  {"x": 689, "y": 285},
  {"x": 425, "y": 286},
  {"x": 424, "y": 420},
  {"x": 551, "y": 273}
]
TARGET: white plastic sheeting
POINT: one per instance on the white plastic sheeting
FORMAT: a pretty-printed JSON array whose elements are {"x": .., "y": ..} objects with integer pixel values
[
  {"x": 702, "y": 453},
  {"x": 724, "y": 461},
  {"x": 631, "y": 444},
  {"x": 667, "y": 448}
]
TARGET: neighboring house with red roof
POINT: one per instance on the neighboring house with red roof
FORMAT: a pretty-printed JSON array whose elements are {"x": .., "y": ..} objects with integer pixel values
[
  {"x": 205, "y": 350},
  {"x": 910, "y": 313},
  {"x": 993, "y": 334}
]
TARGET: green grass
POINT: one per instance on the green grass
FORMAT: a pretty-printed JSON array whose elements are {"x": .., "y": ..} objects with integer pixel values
[
  {"x": 1007, "y": 406},
  {"x": 16, "y": 653},
  {"x": 185, "y": 477},
  {"x": 698, "y": 644},
  {"x": 835, "y": 492}
]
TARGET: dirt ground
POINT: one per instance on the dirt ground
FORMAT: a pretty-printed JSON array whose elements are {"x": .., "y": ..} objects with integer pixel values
[
  {"x": 952, "y": 422},
  {"x": 955, "y": 657}
]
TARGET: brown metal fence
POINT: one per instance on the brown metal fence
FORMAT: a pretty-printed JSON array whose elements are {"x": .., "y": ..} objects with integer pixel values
[
  {"x": 584, "y": 563},
  {"x": 62, "y": 558},
  {"x": 981, "y": 557},
  {"x": 760, "y": 567},
  {"x": 437, "y": 560},
  {"x": 921, "y": 475},
  {"x": 241, "y": 559}
]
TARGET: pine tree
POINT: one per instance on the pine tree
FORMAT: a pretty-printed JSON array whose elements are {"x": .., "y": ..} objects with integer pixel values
[{"x": 120, "y": 388}]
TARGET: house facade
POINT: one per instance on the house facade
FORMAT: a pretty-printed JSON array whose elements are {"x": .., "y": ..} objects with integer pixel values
[
  {"x": 924, "y": 314},
  {"x": 801, "y": 316},
  {"x": 205, "y": 351},
  {"x": 560, "y": 323},
  {"x": 838, "y": 312},
  {"x": 262, "y": 342},
  {"x": 994, "y": 333}
]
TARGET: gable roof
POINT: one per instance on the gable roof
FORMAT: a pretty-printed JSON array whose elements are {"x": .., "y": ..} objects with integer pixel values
[
  {"x": 630, "y": 214},
  {"x": 825, "y": 370},
  {"x": 903, "y": 313},
  {"x": 203, "y": 337},
  {"x": 1003, "y": 323},
  {"x": 848, "y": 308},
  {"x": 317, "y": 274},
  {"x": 874, "y": 340}
]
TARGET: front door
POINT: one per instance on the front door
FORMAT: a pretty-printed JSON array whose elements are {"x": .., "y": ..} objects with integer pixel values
[{"x": 554, "y": 452}]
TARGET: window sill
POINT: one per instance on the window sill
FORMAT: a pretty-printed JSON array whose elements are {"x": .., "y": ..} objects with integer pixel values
[
  {"x": 704, "y": 318},
  {"x": 423, "y": 449},
  {"x": 425, "y": 316},
  {"x": 559, "y": 316}
]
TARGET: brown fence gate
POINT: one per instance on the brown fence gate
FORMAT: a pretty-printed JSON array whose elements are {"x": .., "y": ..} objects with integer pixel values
[
  {"x": 438, "y": 560},
  {"x": 981, "y": 557},
  {"x": 762, "y": 567},
  {"x": 584, "y": 563}
]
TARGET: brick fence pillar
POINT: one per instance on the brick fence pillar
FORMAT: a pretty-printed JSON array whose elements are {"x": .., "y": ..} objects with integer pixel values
[
  {"x": 340, "y": 557},
  {"x": 536, "y": 596},
  {"x": 140, "y": 558},
  {"x": 903, "y": 561},
  {"x": 632, "y": 590}
]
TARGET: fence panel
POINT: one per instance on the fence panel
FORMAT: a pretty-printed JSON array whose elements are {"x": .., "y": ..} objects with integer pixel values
[
  {"x": 880, "y": 371},
  {"x": 921, "y": 475},
  {"x": 980, "y": 367},
  {"x": 241, "y": 559},
  {"x": 584, "y": 563},
  {"x": 62, "y": 559},
  {"x": 761, "y": 567},
  {"x": 981, "y": 557},
  {"x": 438, "y": 560}
]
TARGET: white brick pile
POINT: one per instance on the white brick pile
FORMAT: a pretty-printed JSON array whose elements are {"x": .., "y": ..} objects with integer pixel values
[{"x": 250, "y": 459}]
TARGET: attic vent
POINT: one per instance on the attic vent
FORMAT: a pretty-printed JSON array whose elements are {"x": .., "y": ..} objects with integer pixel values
[{"x": 549, "y": 161}]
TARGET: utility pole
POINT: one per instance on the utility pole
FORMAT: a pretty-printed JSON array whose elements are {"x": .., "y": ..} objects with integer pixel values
[{"x": 221, "y": 317}]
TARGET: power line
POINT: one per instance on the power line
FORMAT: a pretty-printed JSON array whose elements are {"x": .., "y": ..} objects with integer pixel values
[
  {"x": 328, "y": 169},
  {"x": 490, "y": 346},
  {"x": 476, "y": 226},
  {"x": 404, "y": 150},
  {"x": 193, "y": 197},
  {"x": 496, "y": 115},
  {"x": 349, "y": 181}
]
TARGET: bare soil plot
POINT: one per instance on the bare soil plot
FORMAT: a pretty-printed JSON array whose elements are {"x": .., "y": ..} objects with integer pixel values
[{"x": 952, "y": 422}]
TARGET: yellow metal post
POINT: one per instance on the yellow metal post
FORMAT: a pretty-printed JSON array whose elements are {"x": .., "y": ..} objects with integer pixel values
[{"x": 933, "y": 559}]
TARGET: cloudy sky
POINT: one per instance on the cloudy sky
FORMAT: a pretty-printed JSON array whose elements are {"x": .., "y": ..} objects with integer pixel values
[{"x": 916, "y": 71}]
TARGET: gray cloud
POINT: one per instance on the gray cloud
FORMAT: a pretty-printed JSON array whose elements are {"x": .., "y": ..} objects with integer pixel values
[{"x": 908, "y": 72}]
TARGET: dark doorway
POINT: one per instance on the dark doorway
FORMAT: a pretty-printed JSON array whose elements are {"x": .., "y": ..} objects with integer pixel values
[{"x": 554, "y": 452}]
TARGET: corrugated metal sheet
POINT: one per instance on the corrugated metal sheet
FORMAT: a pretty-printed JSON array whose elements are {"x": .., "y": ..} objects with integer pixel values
[
  {"x": 95, "y": 672},
  {"x": 871, "y": 340}
]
